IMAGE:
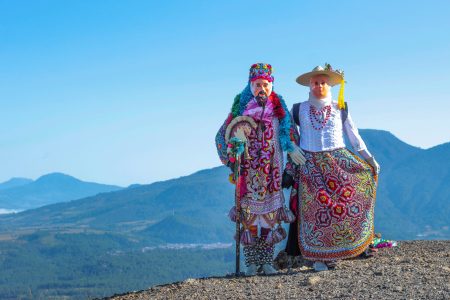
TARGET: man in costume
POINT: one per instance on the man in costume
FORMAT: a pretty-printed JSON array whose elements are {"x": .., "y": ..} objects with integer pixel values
[
  {"x": 261, "y": 206},
  {"x": 335, "y": 189}
]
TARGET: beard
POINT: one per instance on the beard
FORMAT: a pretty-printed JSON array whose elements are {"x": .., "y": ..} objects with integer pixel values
[
  {"x": 261, "y": 98},
  {"x": 261, "y": 95}
]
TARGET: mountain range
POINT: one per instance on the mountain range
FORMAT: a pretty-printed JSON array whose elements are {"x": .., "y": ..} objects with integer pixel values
[
  {"x": 23, "y": 193},
  {"x": 113, "y": 241},
  {"x": 412, "y": 201}
]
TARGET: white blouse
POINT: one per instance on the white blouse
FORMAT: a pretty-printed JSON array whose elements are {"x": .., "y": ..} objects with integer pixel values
[{"x": 316, "y": 136}]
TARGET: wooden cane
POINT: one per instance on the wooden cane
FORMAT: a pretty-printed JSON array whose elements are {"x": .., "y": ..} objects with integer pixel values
[{"x": 237, "y": 170}]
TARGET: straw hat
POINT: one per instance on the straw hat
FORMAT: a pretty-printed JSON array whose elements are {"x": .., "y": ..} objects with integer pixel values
[{"x": 336, "y": 76}]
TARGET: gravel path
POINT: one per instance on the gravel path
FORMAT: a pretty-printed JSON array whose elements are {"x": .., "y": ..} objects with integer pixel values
[{"x": 413, "y": 270}]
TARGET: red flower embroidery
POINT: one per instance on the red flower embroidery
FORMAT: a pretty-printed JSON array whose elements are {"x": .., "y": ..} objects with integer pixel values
[
  {"x": 338, "y": 210},
  {"x": 347, "y": 193},
  {"x": 332, "y": 183},
  {"x": 323, "y": 198}
]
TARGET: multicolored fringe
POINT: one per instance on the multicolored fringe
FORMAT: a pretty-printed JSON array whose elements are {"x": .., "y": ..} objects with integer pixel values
[
  {"x": 281, "y": 111},
  {"x": 283, "y": 214},
  {"x": 232, "y": 214},
  {"x": 382, "y": 243},
  {"x": 246, "y": 237}
]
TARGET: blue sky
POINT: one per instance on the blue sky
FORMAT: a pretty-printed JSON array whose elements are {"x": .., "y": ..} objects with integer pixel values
[{"x": 128, "y": 92}]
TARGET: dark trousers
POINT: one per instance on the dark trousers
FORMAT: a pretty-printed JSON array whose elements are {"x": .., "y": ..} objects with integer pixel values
[{"x": 292, "y": 248}]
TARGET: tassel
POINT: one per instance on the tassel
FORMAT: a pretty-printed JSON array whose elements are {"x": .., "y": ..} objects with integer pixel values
[
  {"x": 247, "y": 238},
  {"x": 232, "y": 214},
  {"x": 282, "y": 214},
  {"x": 285, "y": 215},
  {"x": 282, "y": 232},
  {"x": 289, "y": 215},
  {"x": 341, "y": 102},
  {"x": 269, "y": 238},
  {"x": 276, "y": 237}
]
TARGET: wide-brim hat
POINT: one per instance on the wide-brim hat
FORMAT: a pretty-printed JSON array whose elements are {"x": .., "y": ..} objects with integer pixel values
[{"x": 336, "y": 76}]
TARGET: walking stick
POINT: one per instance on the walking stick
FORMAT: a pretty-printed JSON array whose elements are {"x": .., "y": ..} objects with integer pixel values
[
  {"x": 238, "y": 149},
  {"x": 237, "y": 197}
]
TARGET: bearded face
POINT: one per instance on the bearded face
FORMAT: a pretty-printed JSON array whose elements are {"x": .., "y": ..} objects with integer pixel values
[
  {"x": 319, "y": 86},
  {"x": 261, "y": 88}
]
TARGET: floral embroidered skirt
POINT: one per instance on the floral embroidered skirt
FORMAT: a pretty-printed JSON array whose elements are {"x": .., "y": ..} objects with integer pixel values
[{"x": 336, "y": 205}]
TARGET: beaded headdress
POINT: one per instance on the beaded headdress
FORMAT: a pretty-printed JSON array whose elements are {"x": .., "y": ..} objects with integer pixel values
[{"x": 261, "y": 71}]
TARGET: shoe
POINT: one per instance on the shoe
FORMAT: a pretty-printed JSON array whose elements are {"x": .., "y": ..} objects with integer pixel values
[
  {"x": 268, "y": 269},
  {"x": 331, "y": 264},
  {"x": 251, "y": 270},
  {"x": 369, "y": 252},
  {"x": 320, "y": 266}
]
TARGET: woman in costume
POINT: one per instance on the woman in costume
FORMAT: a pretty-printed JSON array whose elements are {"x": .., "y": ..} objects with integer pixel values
[
  {"x": 262, "y": 206},
  {"x": 335, "y": 189}
]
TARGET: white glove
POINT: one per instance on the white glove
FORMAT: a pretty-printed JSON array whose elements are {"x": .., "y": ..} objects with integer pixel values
[
  {"x": 371, "y": 161},
  {"x": 240, "y": 134},
  {"x": 297, "y": 155}
]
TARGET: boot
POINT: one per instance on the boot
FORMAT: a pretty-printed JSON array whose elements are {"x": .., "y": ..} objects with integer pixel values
[
  {"x": 268, "y": 269},
  {"x": 251, "y": 270}
]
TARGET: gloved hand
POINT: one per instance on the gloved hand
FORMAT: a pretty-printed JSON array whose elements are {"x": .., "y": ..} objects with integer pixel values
[
  {"x": 371, "y": 161},
  {"x": 240, "y": 134},
  {"x": 297, "y": 155},
  {"x": 287, "y": 180}
]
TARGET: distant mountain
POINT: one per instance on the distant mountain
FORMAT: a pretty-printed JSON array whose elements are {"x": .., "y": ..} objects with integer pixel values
[
  {"x": 413, "y": 196},
  {"x": 387, "y": 148},
  {"x": 419, "y": 187},
  {"x": 107, "y": 242},
  {"x": 413, "y": 200},
  {"x": 14, "y": 182},
  {"x": 205, "y": 193},
  {"x": 51, "y": 188},
  {"x": 190, "y": 228}
]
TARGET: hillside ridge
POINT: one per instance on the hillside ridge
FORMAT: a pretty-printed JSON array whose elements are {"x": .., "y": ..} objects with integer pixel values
[{"x": 413, "y": 270}]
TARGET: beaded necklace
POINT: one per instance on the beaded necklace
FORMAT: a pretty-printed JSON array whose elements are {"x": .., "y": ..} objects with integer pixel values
[{"x": 316, "y": 117}]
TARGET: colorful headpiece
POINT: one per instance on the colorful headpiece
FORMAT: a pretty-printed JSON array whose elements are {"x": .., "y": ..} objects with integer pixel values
[{"x": 261, "y": 71}]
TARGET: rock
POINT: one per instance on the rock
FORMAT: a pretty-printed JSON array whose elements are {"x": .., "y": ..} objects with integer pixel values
[
  {"x": 398, "y": 288},
  {"x": 191, "y": 281},
  {"x": 313, "y": 280}
]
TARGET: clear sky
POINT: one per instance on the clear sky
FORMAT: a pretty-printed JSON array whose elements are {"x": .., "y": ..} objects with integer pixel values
[{"x": 128, "y": 92}]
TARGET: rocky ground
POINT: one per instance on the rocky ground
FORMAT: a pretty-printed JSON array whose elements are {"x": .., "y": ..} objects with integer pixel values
[{"x": 413, "y": 270}]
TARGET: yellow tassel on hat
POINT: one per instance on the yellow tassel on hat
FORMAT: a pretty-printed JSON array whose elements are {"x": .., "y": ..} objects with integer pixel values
[{"x": 341, "y": 102}]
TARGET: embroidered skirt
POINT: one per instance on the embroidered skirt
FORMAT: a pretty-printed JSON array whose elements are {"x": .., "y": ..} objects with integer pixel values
[{"x": 336, "y": 205}]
